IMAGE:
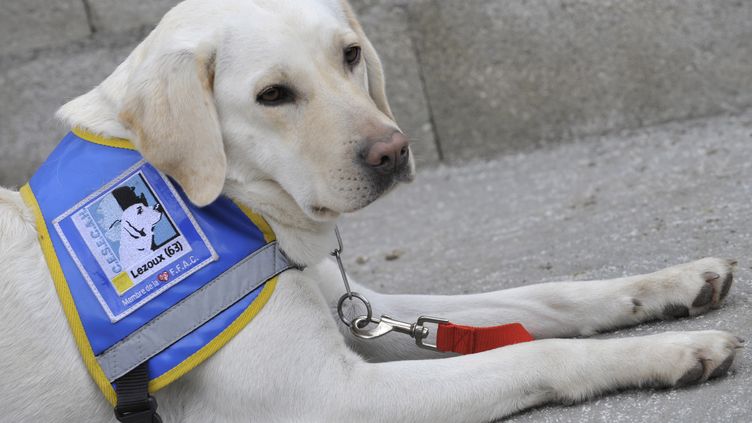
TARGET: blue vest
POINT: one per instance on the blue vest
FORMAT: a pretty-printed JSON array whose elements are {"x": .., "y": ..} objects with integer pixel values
[{"x": 141, "y": 273}]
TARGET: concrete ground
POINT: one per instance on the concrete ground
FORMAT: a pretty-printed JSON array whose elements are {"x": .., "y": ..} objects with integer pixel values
[
  {"x": 472, "y": 80},
  {"x": 598, "y": 208}
]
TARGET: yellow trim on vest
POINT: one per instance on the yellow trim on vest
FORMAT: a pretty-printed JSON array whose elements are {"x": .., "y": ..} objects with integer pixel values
[
  {"x": 218, "y": 342},
  {"x": 102, "y": 140},
  {"x": 66, "y": 299},
  {"x": 259, "y": 221}
]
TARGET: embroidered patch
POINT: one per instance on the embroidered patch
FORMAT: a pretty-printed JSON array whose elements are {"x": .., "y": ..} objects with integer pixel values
[{"x": 133, "y": 239}]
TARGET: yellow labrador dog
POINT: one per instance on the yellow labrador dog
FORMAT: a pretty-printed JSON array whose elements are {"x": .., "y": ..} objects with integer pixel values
[{"x": 280, "y": 104}]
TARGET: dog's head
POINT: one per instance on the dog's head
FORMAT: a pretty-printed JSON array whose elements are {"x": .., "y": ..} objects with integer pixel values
[{"x": 283, "y": 100}]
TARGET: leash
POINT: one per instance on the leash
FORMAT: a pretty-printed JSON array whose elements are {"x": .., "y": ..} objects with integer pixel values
[{"x": 450, "y": 337}]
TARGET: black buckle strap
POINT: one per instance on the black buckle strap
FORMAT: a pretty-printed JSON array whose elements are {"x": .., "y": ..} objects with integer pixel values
[
  {"x": 146, "y": 413},
  {"x": 134, "y": 404}
]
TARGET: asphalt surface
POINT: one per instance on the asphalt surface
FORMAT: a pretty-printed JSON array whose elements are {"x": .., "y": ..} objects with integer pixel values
[{"x": 600, "y": 207}]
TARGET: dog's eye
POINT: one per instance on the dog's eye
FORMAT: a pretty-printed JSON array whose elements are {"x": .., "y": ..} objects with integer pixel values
[
  {"x": 275, "y": 95},
  {"x": 352, "y": 55}
]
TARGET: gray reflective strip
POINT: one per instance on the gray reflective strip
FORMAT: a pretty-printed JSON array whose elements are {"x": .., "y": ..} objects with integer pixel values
[{"x": 193, "y": 311}]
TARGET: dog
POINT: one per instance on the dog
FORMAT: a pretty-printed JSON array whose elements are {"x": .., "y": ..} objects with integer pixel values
[
  {"x": 136, "y": 225},
  {"x": 281, "y": 105}
]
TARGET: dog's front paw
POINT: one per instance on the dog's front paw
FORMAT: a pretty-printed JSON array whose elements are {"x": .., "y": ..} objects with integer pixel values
[
  {"x": 670, "y": 359},
  {"x": 701, "y": 285},
  {"x": 685, "y": 290},
  {"x": 694, "y": 357}
]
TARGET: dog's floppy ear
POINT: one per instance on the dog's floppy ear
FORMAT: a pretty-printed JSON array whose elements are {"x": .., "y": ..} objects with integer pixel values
[
  {"x": 375, "y": 72},
  {"x": 169, "y": 105}
]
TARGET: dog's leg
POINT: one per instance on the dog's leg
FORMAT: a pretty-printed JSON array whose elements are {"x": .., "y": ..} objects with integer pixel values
[
  {"x": 293, "y": 358},
  {"x": 558, "y": 309},
  {"x": 488, "y": 386}
]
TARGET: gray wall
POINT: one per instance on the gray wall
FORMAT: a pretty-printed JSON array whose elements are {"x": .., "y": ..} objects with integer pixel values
[{"x": 467, "y": 78}]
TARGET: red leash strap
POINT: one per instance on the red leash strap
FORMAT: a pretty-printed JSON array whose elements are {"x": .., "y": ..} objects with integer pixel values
[{"x": 470, "y": 339}]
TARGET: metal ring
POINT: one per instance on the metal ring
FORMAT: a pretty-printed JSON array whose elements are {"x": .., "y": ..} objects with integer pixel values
[{"x": 350, "y": 296}]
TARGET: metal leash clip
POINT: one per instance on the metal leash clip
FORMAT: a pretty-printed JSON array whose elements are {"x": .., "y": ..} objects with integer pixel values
[
  {"x": 418, "y": 331},
  {"x": 359, "y": 325}
]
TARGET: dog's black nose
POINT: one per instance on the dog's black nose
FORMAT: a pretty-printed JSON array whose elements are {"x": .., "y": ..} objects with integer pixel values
[
  {"x": 158, "y": 208},
  {"x": 387, "y": 155}
]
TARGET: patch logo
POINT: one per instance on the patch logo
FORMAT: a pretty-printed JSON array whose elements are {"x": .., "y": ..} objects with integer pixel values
[{"x": 132, "y": 239}]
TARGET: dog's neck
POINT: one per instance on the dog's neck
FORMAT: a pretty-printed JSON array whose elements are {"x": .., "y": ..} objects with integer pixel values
[{"x": 304, "y": 240}]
